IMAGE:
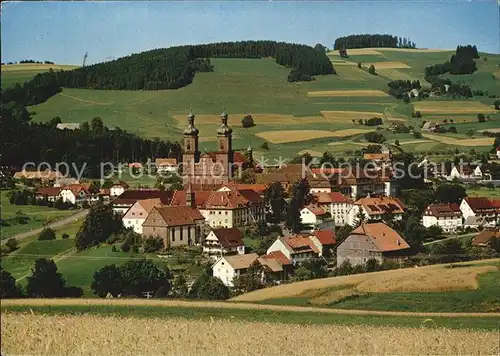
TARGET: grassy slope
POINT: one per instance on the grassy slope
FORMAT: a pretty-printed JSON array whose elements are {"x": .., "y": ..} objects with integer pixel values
[
  {"x": 20, "y": 73},
  {"x": 38, "y": 216},
  {"x": 260, "y": 86},
  {"x": 256, "y": 315}
]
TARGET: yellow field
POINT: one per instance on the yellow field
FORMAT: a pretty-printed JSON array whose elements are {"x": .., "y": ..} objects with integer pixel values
[
  {"x": 235, "y": 119},
  {"x": 337, "y": 93},
  {"x": 415, "y": 50},
  {"x": 470, "y": 142},
  {"x": 453, "y": 107},
  {"x": 35, "y": 66},
  {"x": 387, "y": 65},
  {"x": 395, "y": 74},
  {"x": 304, "y": 135},
  {"x": 339, "y": 115},
  {"x": 358, "y": 51},
  {"x": 311, "y": 152},
  {"x": 423, "y": 279},
  {"x": 110, "y": 335}
]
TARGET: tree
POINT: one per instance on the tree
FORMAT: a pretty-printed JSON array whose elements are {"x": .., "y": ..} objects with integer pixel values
[
  {"x": 47, "y": 234},
  {"x": 448, "y": 247},
  {"x": 209, "y": 288},
  {"x": 374, "y": 137},
  {"x": 247, "y": 121},
  {"x": 143, "y": 276},
  {"x": 274, "y": 196},
  {"x": 179, "y": 286},
  {"x": 359, "y": 65},
  {"x": 65, "y": 236},
  {"x": 497, "y": 104},
  {"x": 418, "y": 114},
  {"x": 8, "y": 288},
  {"x": 99, "y": 224},
  {"x": 481, "y": 117},
  {"x": 300, "y": 197},
  {"x": 248, "y": 176},
  {"x": 45, "y": 281},
  {"x": 396, "y": 142},
  {"x": 320, "y": 48},
  {"x": 371, "y": 70},
  {"x": 264, "y": 146},
  {"x": 250, "y": 280},
  {"x": 360, "y": 217},
  {"x": 151, "y": 244},
  {"x": 108, "y": 280},
  {"x": 12, "y": 244},
  {"x": 450, "y": 193},
  {"x": 417, "y": 134}
]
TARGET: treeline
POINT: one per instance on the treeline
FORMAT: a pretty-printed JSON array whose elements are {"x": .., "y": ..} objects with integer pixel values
[
  {"x": 33, "y": 61},
  {"x": 169, "y": 68},
  {"x": 398, "y": 88},
  {"x": 375, "y": 40},
  {"x": 93, "y": 143}
]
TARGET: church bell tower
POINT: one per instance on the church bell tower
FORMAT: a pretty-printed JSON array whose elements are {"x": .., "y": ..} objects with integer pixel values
[
  {"x": 225, "y": 149},
  {"x": 191, "y": 154}
]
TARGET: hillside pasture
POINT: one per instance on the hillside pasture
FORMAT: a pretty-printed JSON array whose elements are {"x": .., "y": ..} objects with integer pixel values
[
  {"x": 346, "y": 116},
  {"x": 12, "y": 74},
  {"x": 265, "y": 119},
  {"x": 387, "y": 65},
  {"x": 34, "y": 333},
  {"x": 346, "y": 93},
  {"x": 305, "y": 135},
  {"x": 452, "y": 107}
]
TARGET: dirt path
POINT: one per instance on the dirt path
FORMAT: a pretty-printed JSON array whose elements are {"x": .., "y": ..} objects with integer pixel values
[
  {"x": 449, "y": 238},
  {"x": 55, "y": 258},
  {"x": 54, "y": 225},
  {"x": 85, "y": 101},
  {"x": 227, "y": 305}
]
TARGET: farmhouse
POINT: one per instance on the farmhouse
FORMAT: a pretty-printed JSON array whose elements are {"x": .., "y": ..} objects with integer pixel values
[
  {"x": 211, "y": 167},
  {"x": 296, "y": 248},
  {"x": 313, "y": 215},
  {"x": 43, "y": 176},
  {"x": 324, "y": 240},
  {"x": 128, "y": 198},
  {"x": 374, "y": 209},
  {"x": 467, "y": 172},
  {"x": 276, "y": 267},
  {"x": 118, "y": 188},
  {"x": 79, "y": 193},
  {"x": 360, "y": 183},
  {"x": 50, "y": 193},
  {"x": 224, "y": 241},
  {"x": 166, "y": 165},
  {"x": 485, "y": 238},
  {"x": 480, "y": 207},
  {"x": 376, "y": 240},
  {"x": 337, "y": 204},
  {"x": 175, "y": 225},
  {"x": 137, "y": 214},
  {"x": 228, "y": 267},
  {"x": 498, "y": 152},
  {"x": 447, "y": 216},
  {"x": 68, "y": 126}
]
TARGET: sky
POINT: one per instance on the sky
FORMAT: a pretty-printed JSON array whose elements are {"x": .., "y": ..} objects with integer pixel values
[{"x": 63, "y": 31}]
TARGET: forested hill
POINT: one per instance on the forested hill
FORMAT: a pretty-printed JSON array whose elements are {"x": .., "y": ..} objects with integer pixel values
[
  {"x": 169, "y": 68},
  {"x": 373, "y": 41}
]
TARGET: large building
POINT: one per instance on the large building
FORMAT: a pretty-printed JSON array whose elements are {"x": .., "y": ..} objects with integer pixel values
[
  {"x": 210, "y": 167},
  {"x": 447, "y": 216}
]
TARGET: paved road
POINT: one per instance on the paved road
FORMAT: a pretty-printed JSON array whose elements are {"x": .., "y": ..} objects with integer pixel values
[{"x": 55, "y": 224}]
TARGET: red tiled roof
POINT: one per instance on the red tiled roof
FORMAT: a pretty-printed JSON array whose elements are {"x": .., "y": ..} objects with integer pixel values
[
  {"x": 129, "y": 197},
  {"x": 229, "y": 237},
  {"x": 239, "y": 157},
  {"x": 327, "y": 170},
  {"x": 326, "y": 237},
  {"x": 200, "y": 197},
  {"x": 443, "y": 210},
  {"x": 166, "y": 161},
  {"x": 479, "y": 203},
  {"x": 179, "y": 215},
  {"x": 381, "y": 205},
  {"x": 251, "y": 195},
  {"x": 332, "y": 197},
  {"x": 485, "y": 237},
  {"x": 385, "y": 238},
  {"x": 278, "y": 255},
  {"x": 121, "y": 183},
  {"x": 50, "y": 191},
  {"x": 316, "y": 210},
  {"x": 300, "y": 244}
]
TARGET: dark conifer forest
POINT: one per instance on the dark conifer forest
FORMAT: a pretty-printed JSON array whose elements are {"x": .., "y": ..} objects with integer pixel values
[{"x": 371, "y": 41}]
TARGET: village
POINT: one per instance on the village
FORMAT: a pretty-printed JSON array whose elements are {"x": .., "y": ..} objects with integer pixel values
[{"x": 344, "y": 217}]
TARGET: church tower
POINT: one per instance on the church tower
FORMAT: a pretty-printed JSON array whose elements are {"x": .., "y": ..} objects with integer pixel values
[
  {"x": 191, "y": 153},
  {"x": 225, "y": 148}
]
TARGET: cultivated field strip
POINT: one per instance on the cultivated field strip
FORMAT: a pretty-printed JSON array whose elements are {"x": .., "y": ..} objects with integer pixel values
[
  {"x": 453, "y": 107},
  {"x": 344, "y": 93},
  {"x": 387, "y": 65},
  {"x": 305, "y": 135},
  {"x": 469, "y": 142},
  {"x": 97, "y": 335},
  {"x": 224, "y": 305}
]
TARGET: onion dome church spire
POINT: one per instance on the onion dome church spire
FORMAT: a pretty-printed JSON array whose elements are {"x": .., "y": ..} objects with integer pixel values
[
  {"x": 224, "y": 129},
  {"x": 191, "y": 130}
]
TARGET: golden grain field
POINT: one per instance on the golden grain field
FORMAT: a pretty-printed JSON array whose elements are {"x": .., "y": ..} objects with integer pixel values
[
  {"x": 110, "y": 335},
  {"x": 415, "y": 50},
  {"x": 35, "y": 66},
  {"x": 340, "y": 115},
  {"x": 453, "y": 107},
  {"x": 343, "y": 93},
  {"x": 235, "y": 119},
  {"x": 422, "y": 279},
  {"x": 469, "y": 142},
  {"x": 304, "y": 135},
  {"x": 387, "y": 65}
]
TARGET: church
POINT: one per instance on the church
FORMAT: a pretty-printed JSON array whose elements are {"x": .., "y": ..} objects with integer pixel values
[{"x": 211, "y": 167}]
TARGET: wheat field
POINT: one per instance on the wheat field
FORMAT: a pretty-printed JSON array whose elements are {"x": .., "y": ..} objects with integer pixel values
[
  {"x": 344, "y": 116},
  {"x": 469, "y": 142},
  {"x": 35, "y": 66},
  {"x": 110, "y": 335},
  {"x": 343, "y": 93},
  {"x": 453, "y": 107},
  {"x": 422, "y": 279}
]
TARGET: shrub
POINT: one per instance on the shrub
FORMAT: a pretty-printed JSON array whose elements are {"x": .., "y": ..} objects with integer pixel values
[
  {"x": 481, "y": 118},
  {"x": 418, "y": 114},
  {"x": 359, "y": 65},
  {"x": 497, "y": 104},
  {"x": 247, "y": 121},
  {"x": 264, "y": 146},
  {"x": 65, "y": 236},
  {"x": 396, "y": 142},
  {"x": 125, "y": 247},
  {"x": 11, "y": 244},
  {"x": 371, "y": 70},
  {"x": 47, "y": 234},
  {"x": 417, "y": 135},
  {"x": 374, "y": 137}
]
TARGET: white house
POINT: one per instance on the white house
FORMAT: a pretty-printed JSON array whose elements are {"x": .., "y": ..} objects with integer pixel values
[
  {"x": 374, "y": 209},
  {"x": 337, "y": 204},
  {"x": 466, "y": 171},
  {"x": 118, "y": 189},
  {"x": 138, "y": 212},
  {"x": 498, "y": 152},
  {"x": 313, "y": 215},
  {"x": 166, "y": 165},
  {"x": 224, "y": 241},
  {"x": 228, "y": 267},
  {"x": 447, "y": 216},
  {"x": 79, "y": 193},
  {"x": 480, "y": 207},
  {"x": 296, "y": 248}
]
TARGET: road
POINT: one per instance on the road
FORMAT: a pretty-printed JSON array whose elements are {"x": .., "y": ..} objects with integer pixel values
[
  {"x": 450, "y": 238},
  {"x": 54, "y": 225}
]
